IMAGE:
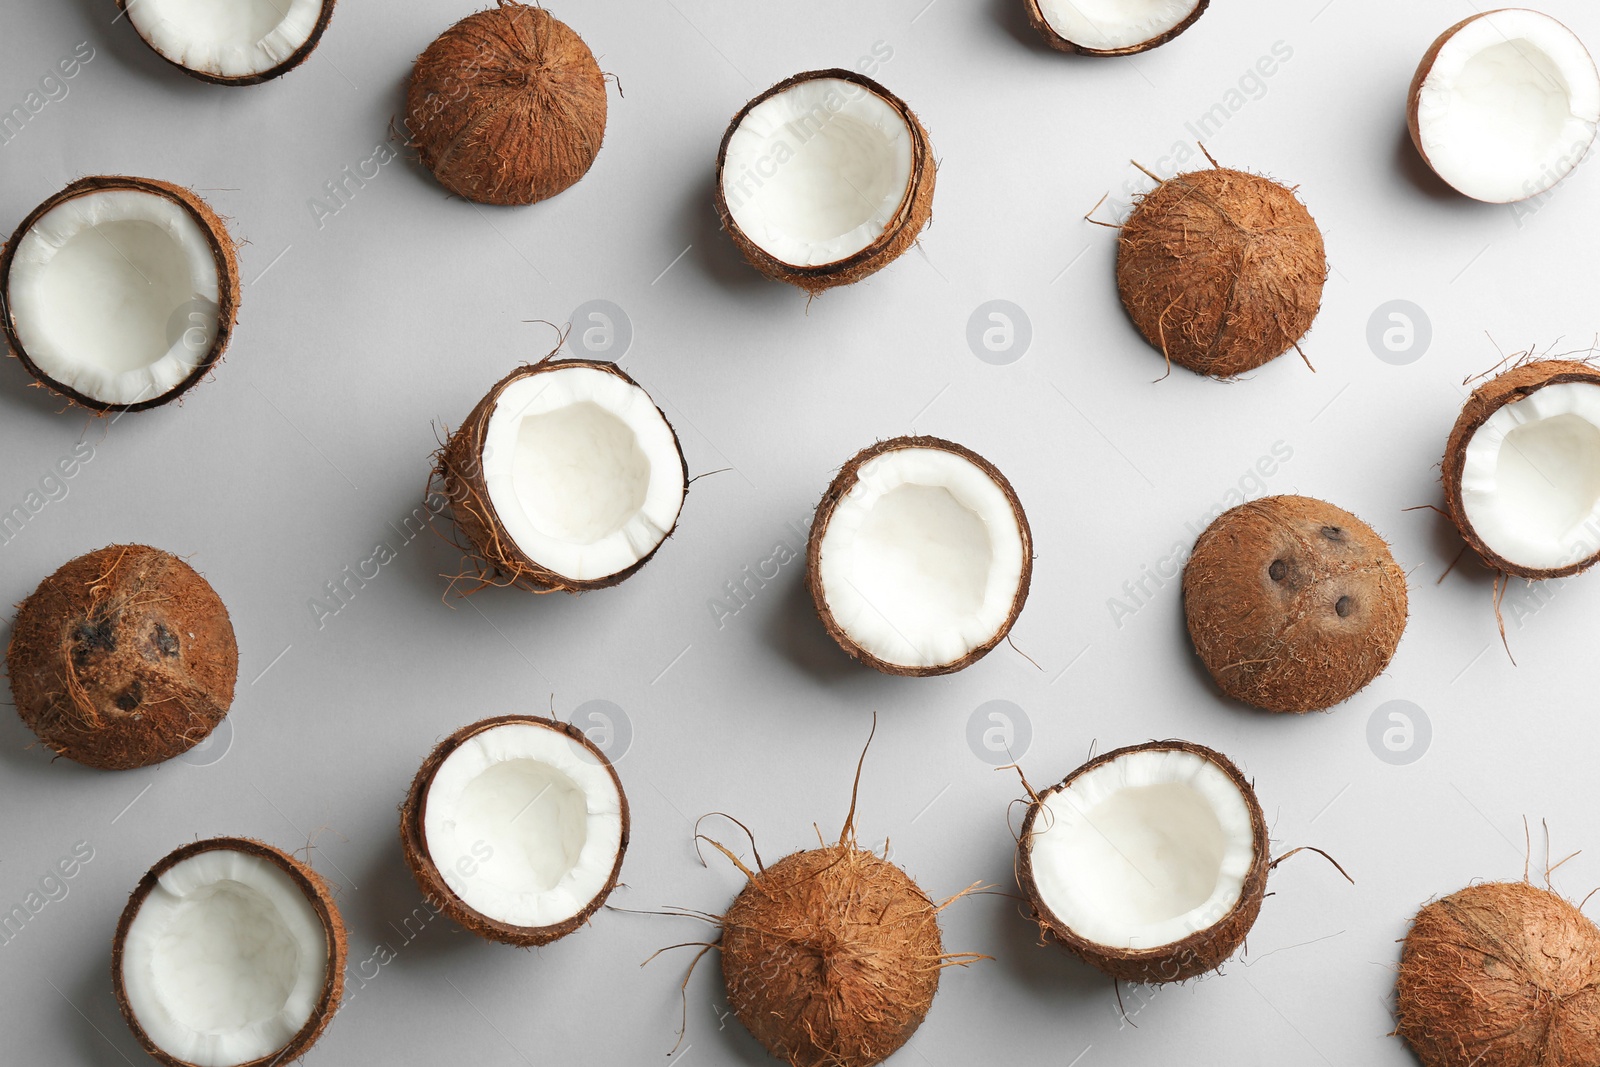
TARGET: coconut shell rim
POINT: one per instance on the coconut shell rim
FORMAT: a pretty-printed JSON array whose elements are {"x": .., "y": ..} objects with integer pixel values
[
  {"x": 1054, "y": 39},
  {"x": 284, "y": 66}
]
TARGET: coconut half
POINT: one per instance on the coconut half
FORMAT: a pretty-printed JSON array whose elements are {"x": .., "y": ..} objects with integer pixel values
[
  {"x": 565, "y": 476},
  {"x": 1521, "y": 470},
  {"x": 229, "y": 953},
  {"x": 515, "y": 827},
  {"x": 1111, "y": 27},
  {"x": 230, "y": 42},
  {"x": 1504, "y": 104},
  {"x": 824, "y": 179},
  {"x": 119, "y": 293},
  {"x": 1149, "y": 863},
  {"x": 920, "y": 557}
]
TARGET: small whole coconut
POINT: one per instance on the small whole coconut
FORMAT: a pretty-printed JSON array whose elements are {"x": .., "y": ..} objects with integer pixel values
[
  {"x": 122, "y": 658},
  {"x": 1221, "y": 270},
  {"x": 1503, "y": 974},
  {"x": 508, "y": 106},
  {"x": 1293, "y": 604}
]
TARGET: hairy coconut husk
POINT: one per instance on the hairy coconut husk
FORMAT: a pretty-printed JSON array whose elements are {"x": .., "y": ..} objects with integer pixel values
[
  {"x": 223, "y": 249},
  {"x": 122, "y": 658},
  {"x": 414, "y": 843},
  {"x": 1515, "y": 384},
  {"x": 1502, "y": 974},
  {"x": 1221, "y": 270},
  {"x": 1037, "y": 20},
  {"x": 508, "y": 106},
  {"x": 1200, "y": 952},
  {"x": 842, "y": 483},
  {"x": 1293, "y": 604},
  {"x": 903, "y": 229},
  {"x": 318, "y": 893},
  {"x": 458, "y": 468},
  {"x": 295, "y": 58}
]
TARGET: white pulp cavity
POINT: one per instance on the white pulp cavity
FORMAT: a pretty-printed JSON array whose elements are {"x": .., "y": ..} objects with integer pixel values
[
  {"x": 1108, "y": 25},
  {"x": 226, "y": 38}
]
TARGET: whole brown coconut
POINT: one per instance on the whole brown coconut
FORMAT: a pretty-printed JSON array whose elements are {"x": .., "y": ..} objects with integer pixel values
[
  {"x": 508, "y": 106},
  {"x": 1503, "y": 974},
  {"x": 1221, "y": 270},
  {"x": 123, "y": 658},
  {"x": 1293, "y": 604}
]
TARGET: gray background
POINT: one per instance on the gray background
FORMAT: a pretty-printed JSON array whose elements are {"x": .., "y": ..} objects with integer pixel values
[{"x": 361, "y": 339}]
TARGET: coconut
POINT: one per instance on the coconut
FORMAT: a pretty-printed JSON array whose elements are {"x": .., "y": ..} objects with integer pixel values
[
  {"x": 119, "y": 293},
  {"x": 1504, "y": 104},
  {"x": 122, "y": 658},
  {"x": 1111, "y": 27},
  {"x": 823, "y": 179},
  {"x": 566, "y": 476},
  {"x": 1293, "y": 604},
  {"x": 230, "y": 953},
  {"x": 1502, "y": 974},
  {"x": 230, "y": 42},
  {"x": 1221, "y": 270},
  {"x": 920, "y": 557},
  {"x": 1521, "y": 470},
  {"x": 515, "y": 827},
  {"x": 508, "y": 106}
]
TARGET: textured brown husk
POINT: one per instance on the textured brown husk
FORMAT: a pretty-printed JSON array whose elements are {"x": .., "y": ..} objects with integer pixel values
[
  {"x": 1281, "y": 643},
  {"x": 122, "y": 658},
  {"x": 318, "y": 893},
  {"x": 508, "y": 106},
  {"x": 1503, "y": 974},
  {"x": 842, "y": 483},
  {"x": 415, "y": 845},
  {"x": 458, "y": 468},
  {"x": 1202, "y": 951},
  {"x": 1488, "y": 398},
  {"x": 1037, "y": 20},
  {"x": 901, "y": 232},
  {"x": 222, "y": 249},
  {"x": 1221, "y": 270},
  {"x": 295, "y": 58}
]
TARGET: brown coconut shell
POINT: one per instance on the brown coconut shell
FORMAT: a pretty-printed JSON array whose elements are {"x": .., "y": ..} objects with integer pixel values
[
  {"x": 414, "y": 843},
  {"x": 1293, "y": 604},
  {"x": 903, "y": 229},
  {"x": 1502, "y": 974},
  {"x": 842, "y": 483},
  {"x": 1221, "y": 270},
  {"x": 1042, "y": 26},
  {"x": 1200, "y": 952},
  {"x": 458, "y": 469},
  {"x": 508, "y": 106},
  {"x": 222, "y": 249},
  {"x": 1515, "y": 384},
  {"x": 318, "y": 893},
  {"x": 295, "y": 58},
  {"x": 122, "y": 658}
]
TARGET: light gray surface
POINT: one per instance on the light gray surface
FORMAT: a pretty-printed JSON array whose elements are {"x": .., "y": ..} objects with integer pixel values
[{"x": 359, "y": 340}]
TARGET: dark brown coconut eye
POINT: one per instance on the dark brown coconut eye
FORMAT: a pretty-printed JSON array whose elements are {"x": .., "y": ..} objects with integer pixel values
[
  {"x": 165, "y": 641},
  {"x": 1333, "y": 533},
  {"x": 1278, "y": 570},
  {"x": 1343, "y": 606}
]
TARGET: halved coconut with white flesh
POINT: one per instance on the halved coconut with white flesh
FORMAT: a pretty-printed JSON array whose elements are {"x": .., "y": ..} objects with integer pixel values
[
  {"x": 824, "y": 179},
  {"x": 565, "y": 476},
  {"x": 119, "y": 293},
  {"x": 230, "y": 953},
  {"x": 230, "y": 42},
  {"x": 515, "y": 827},
  {"x": 1521, "y": 471},
  {"x": 919, "y": 557},
  {"x": 1111, "y": 27},
  {"x": 1504, "y": 104},
  {"x": 1149, "y": 863}
]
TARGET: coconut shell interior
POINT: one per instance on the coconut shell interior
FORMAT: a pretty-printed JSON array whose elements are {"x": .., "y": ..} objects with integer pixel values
[
  {"x": 1042, "y": 26},
  {"x": 295, "y": 58}
]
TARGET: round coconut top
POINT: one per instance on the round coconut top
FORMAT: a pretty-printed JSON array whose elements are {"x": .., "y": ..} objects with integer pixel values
[
  {"x": 1293, "y": 604},
  {"x": 232, "y": 42},
  {"x": 1221, "y": 270},
  {"x": 122, "y": 658},
  {"x": 1118, "y": 28}
]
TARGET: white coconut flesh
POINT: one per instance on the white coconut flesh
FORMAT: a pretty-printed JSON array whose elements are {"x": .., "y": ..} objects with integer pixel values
[
  {"x": 921, "y": 558},
  {"x": 1530, "y": 477},
  {"x": 225, "y": 961},
  {"x": 816, "y": 173},
  {"x": 1144, "y": 850},
  {"x": 583, "y": 471},
  {"x": 1109, "y": 25},
  {"x": 524, "y": 824},
  {"x": 226, "y": 38},
  {"x": 114, "y": 294},
  {"x": 1509, "y": 106}
]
